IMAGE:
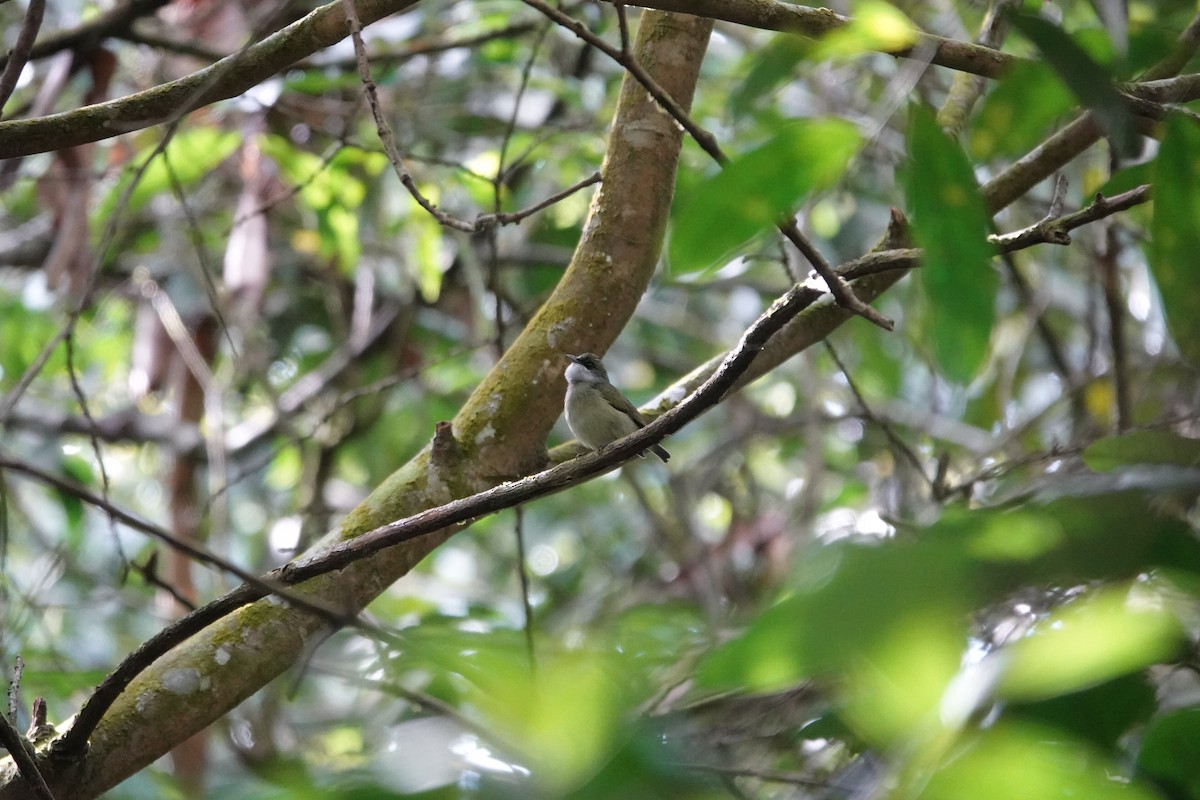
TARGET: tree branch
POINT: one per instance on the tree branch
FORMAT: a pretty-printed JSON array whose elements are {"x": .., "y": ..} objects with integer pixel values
[
  {"x": 24, "y": 757},
  {"x": 227, "y": 78},
  {"x": 708, "y": 143},
  {"x": 500, "y": 431},
  {"x": 20, "y": 53},
  {"x": 774, "y": 15}
]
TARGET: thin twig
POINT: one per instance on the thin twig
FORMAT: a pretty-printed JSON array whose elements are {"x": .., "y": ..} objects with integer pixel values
[
  {"x": 193, "y": 551},
  {"x": 839, "y": 288},
  {"x": 484, "y": 221},
  {"x": 19, "y": 55},
  {"x": 388, "y": 139},
  {"x": 1056, "y": 230},
  {"x": 429, "y": 47},
  {"x": 1114, "y": 304},
  {"x": 1185, "y": 47},
  {"x": 870, "y": 416},
  {"x": 523, "y": 575},
  {"x": 967, "y": 87},
  {"x": 498, "y": 341},
  {"x": 384, "y": 129},
  {"x": 25, "y": 758},
  {"x": 574, "y": 471},
  {"x": 97, "y": 451}
]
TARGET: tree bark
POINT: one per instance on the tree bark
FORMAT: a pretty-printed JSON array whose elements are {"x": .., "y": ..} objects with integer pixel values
[{"x": 499, "y": 433}]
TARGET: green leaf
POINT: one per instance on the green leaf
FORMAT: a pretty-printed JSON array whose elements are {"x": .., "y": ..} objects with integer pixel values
[
  {"x": 1170, "y": 753},
  {"x": 1128, "y": 178},
  {"x": 1175, "y": 234},
  {"x": 1099, "y": 637},
  {"x": 1088, "y": 79},
  {"x": 1026, "y": 761},
  {"x": 1143, "y": 447},
  {"x": 1101, "y": 714},
  {"x": 427, "y": 254},
  {"x": 875, "y": 26},
  {"x": 1017, "y": 113},
  {"x": 949, "y": 220},
  {"x": 851, "y": 600},
  {"x": 189, "y": 156},
  {"x": 755, "y": 191},
  {"x": 769, "y": 68}
]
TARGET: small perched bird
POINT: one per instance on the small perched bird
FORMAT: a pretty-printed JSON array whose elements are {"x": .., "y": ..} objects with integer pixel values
[{"x": 597, "y": 412}]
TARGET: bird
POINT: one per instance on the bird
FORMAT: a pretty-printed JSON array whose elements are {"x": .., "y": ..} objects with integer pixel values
[{"x": 597, "y": 412}]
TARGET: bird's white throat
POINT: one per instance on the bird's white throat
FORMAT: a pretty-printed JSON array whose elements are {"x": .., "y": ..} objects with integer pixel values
[{"x": 578, "y": 373}]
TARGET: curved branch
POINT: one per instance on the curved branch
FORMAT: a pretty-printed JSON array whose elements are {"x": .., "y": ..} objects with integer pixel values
[
  {"x": 773, "y": 15},
  {"x": 500, "y": 431},
  {"x": 227, "y": 78}
]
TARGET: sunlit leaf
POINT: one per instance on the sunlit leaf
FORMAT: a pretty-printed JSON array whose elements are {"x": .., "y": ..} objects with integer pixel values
[
  {"x": 564, "y": 717},
  {"x": 426, "y": 257},
  {"x": 873, "y": 26},
  {"x": 754, "y": 191},
  {"x": 950, "y": 223},
  {"x": 1093, "y": 639},
  {"x": 190, "y": 155},
  {"x": 1175, "y": 234},
  {"x": 893, "y": 691},
  {"x": 1029, "y": 762},
  {"x": 851, "y": 602},
  {"x": 1014, "y": 537}
]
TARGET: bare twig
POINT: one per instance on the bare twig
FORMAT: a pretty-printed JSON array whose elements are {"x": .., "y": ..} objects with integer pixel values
[
  {"x": 193, "y": 48},
  {"x": 574, "y": 471},
  {"x": 428, "y": 47},
  {"x": 1056, "y": 230},
  {"x": 193, "y": 551},
  {"x": 767, "y": 775},
  {"x": 1114, "y": 304},
  {"x": 1049, "y": 338},
  {"x": 25, "y": 758},
  {"x": 384, "y": 129},
  {"x": 19, "y": 55},
  {"x": 388, "y": 139},
  {"x": 1185, "y": 47},
  {"x": 883, "y": 424},
  {"x": 97, "y": 451},
  {"x": 839, "y": 288},
  {"x": 227, "y": 78},
  {"x": 14, "y": 687},
  {"x": 484, "y": 221}
]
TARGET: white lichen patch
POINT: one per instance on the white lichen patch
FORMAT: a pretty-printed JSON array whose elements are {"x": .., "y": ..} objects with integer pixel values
[
  {"x": 144, "y": 701},
  {"x": 486, "y": 434},
  {"x": 558, "y": 329},
  {"x": 672, "y": 396},
  {"x": 185, "y": 680},
  {"x": 646, "y": 133},
  {"x": 222, "y": 656}
]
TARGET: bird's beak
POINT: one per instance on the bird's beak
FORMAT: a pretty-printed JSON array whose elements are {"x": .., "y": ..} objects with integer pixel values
[{"x": 574, "y": 359}]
